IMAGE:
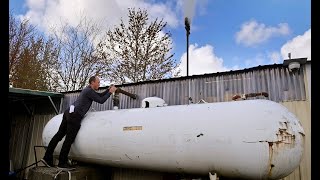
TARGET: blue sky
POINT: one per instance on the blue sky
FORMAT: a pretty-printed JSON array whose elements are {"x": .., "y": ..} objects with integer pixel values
[{"x": 225, "y": 35}]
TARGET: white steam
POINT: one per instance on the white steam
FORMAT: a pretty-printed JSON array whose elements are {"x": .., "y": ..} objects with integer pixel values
[{"x": 189, "y": 9}]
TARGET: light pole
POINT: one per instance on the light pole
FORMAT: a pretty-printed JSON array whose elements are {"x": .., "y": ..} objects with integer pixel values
[{"x": 187, "y": 26}]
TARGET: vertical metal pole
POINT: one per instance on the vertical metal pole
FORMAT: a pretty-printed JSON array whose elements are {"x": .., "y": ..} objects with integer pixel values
[
  {"x": 188, "y": 53},
  {"x": 187, "y": 27},
  {"x": 188, "y": 66}
]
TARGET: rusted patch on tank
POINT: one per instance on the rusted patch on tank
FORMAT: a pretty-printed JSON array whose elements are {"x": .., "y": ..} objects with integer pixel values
[
  {"x": 284, "y": 135},
  {"x": 285, "y": 139}
]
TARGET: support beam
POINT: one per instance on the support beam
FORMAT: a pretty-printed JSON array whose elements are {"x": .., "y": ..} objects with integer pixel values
[
  {"x": 28, "y": 110},
  {"x": 55, "y": 108}
]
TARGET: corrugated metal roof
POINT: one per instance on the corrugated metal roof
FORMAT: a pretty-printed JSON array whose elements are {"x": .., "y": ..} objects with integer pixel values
[
  {"x": 25, "y": 98},
  {"x": 26, "y": 92}
]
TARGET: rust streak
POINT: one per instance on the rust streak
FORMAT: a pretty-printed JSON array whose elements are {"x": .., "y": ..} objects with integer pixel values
[
  {"x": 302, "y": 133},
  {"x": 270, "y": 158}
]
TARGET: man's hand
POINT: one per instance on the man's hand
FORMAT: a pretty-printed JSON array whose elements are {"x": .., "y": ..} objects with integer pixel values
[{"x": 112, "y": 89}]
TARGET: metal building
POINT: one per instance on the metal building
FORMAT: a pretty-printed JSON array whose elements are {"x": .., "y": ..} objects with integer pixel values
[
  {"x": 289, "y": 87},
  {"x": 29, "y": 111}
]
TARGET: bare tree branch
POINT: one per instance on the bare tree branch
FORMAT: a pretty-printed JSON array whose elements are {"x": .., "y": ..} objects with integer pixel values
[
  {"x": 139, "y": 51},
  {"x": 77, "y": 58}
]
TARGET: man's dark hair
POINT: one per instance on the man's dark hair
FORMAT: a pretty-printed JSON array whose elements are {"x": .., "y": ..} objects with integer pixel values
[{"x": 92, "y": 79}]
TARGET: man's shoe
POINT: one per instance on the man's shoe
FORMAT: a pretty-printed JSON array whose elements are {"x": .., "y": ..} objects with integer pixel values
[{"x": 47, "y": 163}]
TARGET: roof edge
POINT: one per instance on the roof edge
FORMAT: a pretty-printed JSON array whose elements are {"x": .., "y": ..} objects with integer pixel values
[
  {"x": 197, "y": 76},
  {"x": 34, "y": 92}
]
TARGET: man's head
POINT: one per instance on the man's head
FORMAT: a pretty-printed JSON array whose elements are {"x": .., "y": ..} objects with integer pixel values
[{"x": 94, "y": 82}]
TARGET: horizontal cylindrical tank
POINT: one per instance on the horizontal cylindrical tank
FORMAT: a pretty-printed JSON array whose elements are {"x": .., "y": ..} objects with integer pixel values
[{"x": 254, "y": 139}]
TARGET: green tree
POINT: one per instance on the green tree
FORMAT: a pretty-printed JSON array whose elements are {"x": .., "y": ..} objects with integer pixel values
[
  {"x": 138, "y": 51},
  {"x": 25, "y": 55},
  {"x": 19, "y": 35},
  {"x": 30, "y": 73}
]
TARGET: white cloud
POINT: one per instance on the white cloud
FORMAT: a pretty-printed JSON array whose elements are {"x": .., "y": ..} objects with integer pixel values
[
  {"x": 259, "y": 59},
  {"x": 253, "y": 33},
  {"x": 36, "y": 4},
  {"x": 299, "y": 47},
  {"x": 162, "y": 11},
  {"x": 274, "y": 57},
  {"x": 201, "y": 60},
  {"x": 48, "y": 13}
]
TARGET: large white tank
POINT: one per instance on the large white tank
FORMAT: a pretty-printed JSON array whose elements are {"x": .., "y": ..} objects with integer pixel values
[{"x": 254, "y": 139}]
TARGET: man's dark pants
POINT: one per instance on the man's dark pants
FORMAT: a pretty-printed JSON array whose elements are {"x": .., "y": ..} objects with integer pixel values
[{"x": 69, "y": 127}]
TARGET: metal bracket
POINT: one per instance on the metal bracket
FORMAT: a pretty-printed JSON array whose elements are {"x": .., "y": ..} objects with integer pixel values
[
  {"x": 35, "y": 153},
  {"x": 28, "y": 110},
  {"x": 55, "y": 108}
]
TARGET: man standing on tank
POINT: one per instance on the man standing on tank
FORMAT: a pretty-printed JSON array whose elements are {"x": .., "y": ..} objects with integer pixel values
[{"x": 71, "y": 121}]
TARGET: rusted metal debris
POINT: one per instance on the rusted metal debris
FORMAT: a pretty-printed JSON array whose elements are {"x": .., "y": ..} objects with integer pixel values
[{"x": 245, "y": 96}]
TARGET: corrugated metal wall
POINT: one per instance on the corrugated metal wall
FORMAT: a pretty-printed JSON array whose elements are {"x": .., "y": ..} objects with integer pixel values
[
  {"x": 38, "y": 124},
  {"x": 302, "y": 110},
  {"x": 26, "y": 132},
  {"x": 18, "y": 146},
  {"x": 278, "y": 82},
  {"x": 308, "y": 81}
]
